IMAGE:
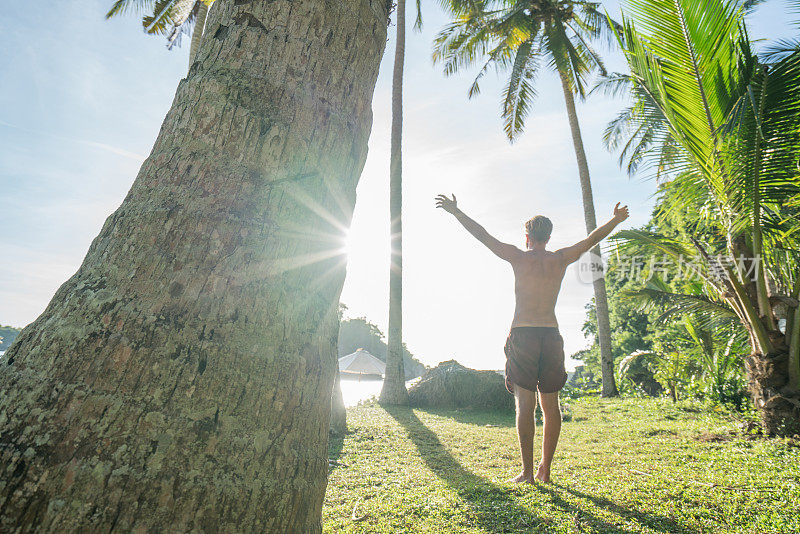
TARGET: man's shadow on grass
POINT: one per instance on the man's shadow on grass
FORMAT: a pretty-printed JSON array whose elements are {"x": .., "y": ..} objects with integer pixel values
[
  {"x": 494, "y": 508},
  {"x": 656, "y": 522},
  {"x": 493, "y": 505}
]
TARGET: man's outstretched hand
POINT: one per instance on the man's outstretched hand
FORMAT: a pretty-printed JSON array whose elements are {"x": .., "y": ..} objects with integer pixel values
[
  {"x": 448, "y": 205},
  {"x": 620, "y": 214}
]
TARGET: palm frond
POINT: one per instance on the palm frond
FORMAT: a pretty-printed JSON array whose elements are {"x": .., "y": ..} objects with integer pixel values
[
  {"x": 779, "y": 50},
  {"x": 763, "y": 145},
  {"x": 750, "y": 5},
  {"x": 184, "y": 15},
  {"x": 121, "y": 7},
  {"x": 613, "y": 84},
  {"x": 695, "y": 48},
  {"x": 597, "y": 24},
  {"x": 657, "y": 295},
  {"x": 500, "y": 56},
  {"x": 418, "y": 18},
  {"x": 520, "y": 90},
  {"x": 672, "y": 247},
  {"x": 164, "y": 16}
]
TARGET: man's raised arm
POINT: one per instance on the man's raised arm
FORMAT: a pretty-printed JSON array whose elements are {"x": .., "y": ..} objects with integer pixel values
[
  {"x": 571, "y": 254},
  {"x": 502, "y": 250}
]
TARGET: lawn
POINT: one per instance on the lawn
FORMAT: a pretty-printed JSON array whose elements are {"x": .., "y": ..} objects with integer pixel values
[{"x": 623, "y": 466}]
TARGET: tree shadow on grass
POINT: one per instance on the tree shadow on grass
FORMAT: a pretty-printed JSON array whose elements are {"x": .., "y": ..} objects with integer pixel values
[
  {"x": 498, "y": 418},
  {"x": 492, "y": 504},
  {"x": 335, "y": 445},
  {"x": 656, "y": 522}
]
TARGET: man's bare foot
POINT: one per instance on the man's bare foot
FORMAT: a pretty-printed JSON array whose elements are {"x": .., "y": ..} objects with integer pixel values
[
  {"x": 543, "y": 474},
  {"x": 523, "y": 477}
]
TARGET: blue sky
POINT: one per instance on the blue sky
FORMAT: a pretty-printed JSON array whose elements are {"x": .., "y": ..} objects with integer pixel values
[{"x": 82, "y": 99}]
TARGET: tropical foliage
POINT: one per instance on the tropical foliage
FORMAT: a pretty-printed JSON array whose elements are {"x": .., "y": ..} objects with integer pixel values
[
  {"x": 664, "y": 329},
  {"x": 7, "y": 336},
  {"x": 720, "y": 126}
]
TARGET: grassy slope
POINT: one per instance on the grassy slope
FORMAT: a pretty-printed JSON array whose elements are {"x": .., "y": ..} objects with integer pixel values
[{"x": 444, "y": 472}]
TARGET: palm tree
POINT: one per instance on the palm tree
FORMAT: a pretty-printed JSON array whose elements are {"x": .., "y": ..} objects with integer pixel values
[
  {"x": 181, "y": 379},
  {"x": 518, "y": 36},
  {"x": 394, "y": 390},
  {"x": 172, "y": 18},
  {"x": 733, "y": 121}
]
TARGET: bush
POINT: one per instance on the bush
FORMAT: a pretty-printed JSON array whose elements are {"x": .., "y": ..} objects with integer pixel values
[{"x": 451, "y": 385}]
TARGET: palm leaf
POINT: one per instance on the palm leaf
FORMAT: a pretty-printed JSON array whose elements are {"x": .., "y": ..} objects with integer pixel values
[
  {"x": 121, "y": 7},
  {"x": 520, "y": 90},
  {"x": 656, "y": 294},
  {"x": 686, "y": 54}
]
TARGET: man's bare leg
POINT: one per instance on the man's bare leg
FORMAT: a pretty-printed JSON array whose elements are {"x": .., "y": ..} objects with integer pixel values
[
  {"x": 552, "y": 428},
  {"x": 526, "y": 427}
]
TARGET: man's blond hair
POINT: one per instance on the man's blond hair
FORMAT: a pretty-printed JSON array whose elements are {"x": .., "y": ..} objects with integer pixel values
[{"x": 539, "y": 228}]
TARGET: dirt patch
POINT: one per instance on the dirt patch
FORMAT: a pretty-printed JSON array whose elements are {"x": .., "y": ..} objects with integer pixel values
[
  {"x": 708, "y": 437},
  {"x": 659, "y": 432}
]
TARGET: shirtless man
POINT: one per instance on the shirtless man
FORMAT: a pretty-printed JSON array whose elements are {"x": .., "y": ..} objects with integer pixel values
[{"x": 534, "y": 348}]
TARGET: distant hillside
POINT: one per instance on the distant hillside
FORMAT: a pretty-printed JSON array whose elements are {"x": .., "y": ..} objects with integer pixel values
[
  {"x": 359, "y": 333},
  {"x": 7, "y": 336}
]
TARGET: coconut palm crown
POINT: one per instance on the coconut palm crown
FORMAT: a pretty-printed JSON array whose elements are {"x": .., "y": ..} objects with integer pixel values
[{"x": 520, "y": 36}]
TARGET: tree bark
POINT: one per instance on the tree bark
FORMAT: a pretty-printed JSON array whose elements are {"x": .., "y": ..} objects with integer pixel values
[
  {"x": 181, "y": 380},
  {"x": 793, "y": 336},
  {"x": 394, "y": 384},
  {"x": 600, "y": 297},
  {"x": 775, "y": 399}
]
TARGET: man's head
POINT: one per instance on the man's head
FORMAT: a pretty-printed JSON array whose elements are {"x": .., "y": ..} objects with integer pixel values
[{"x": 538, "y": 230}]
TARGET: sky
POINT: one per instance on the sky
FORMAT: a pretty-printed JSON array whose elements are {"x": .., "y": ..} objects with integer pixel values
[{"x": 82, "y": 100}]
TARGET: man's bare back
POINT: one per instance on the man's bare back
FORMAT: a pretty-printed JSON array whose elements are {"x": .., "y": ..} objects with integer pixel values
[{"x": 537, "y": 282}]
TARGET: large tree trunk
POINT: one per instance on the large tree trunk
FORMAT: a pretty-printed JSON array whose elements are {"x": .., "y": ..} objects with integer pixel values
[
  {"x": 600, "y": 297},
  {"x": 394, "y": 384},
  {"x": 181, "y": 379}
]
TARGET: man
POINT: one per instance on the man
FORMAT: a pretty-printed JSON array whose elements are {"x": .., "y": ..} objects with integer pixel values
[{"x": 534, "y": 348}]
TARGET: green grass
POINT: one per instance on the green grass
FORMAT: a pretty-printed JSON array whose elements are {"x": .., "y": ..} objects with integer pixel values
[{"x": 445, "y": 472}]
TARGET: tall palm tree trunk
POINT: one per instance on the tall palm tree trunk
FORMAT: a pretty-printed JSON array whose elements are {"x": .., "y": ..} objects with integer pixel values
[
  {"x": 199, "y": 29},
  {"x": 600, "y": 297},
  {"x": 394, "y": 384},
  {"x": 181, "y": 379}
]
